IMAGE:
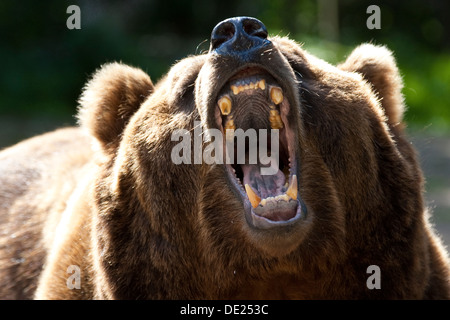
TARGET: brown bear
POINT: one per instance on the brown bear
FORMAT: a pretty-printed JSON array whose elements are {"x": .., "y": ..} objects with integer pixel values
[{"x": 140, "y": 202}]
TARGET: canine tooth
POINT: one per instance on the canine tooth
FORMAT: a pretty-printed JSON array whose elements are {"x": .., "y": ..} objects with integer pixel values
[
  {"x": 230, "y": 124},
  {"x": 275, "y": 119},
  {"x": 292, "y": 190},
  {"x": 225, "y": 105},
  {"x": 254, "y": 199},
  {"x": 276, "y": 94},
  {"x": 262, "y": 84}
]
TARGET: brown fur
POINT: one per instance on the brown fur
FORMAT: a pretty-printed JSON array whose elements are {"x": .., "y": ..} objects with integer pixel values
[{"x": 111, "y": 201}]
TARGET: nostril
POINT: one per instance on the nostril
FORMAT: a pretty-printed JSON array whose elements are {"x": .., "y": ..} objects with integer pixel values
[
  {"x": 255, "y": 28},
  {"x": 222, "y": 33},
  {"x": 238, "y": 35}
]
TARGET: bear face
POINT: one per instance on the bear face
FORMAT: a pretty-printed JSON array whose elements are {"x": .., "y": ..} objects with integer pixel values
[
  {"x": 323, "y": 185},
  {"x": 261, "y": 89}
]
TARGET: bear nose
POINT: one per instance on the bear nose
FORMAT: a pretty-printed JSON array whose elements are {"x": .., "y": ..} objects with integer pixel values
[{"x": 239, "y": 35}]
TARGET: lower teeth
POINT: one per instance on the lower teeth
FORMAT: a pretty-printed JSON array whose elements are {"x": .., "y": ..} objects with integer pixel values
[{"x": 291, "y": 193}]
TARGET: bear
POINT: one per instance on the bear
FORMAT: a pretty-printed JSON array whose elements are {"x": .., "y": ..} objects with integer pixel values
[{"x": 146, "y": 197}]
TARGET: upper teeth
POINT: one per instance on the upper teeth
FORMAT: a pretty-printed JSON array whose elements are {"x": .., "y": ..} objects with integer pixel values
[
  {"x": 230, "y": 123},
  {"x": 276, "y": 94},
  {"x": 261, "y": 84},
  {"x": 225, "y": 105},
  {"x": 275, "y": 119}
]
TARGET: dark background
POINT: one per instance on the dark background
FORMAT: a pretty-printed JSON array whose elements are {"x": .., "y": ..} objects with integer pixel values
[{"x": 44, "y": 65}]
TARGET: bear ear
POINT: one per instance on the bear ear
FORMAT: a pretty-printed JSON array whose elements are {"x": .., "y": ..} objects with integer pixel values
[
  {"x": 378, "y": 67},
  {"x": 109, "y": 99}
]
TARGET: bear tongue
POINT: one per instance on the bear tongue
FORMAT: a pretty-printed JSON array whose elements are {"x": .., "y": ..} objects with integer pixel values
[
  {"x": 266, "y": 185},
  {"x": 271, "y": 203}
]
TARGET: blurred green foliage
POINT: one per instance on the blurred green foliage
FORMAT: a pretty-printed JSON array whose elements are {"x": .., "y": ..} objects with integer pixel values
[{"x": 44, "y": 65}]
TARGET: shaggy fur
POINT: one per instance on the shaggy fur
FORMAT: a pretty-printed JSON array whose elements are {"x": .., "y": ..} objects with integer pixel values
[{"x": 106, "y": 197}]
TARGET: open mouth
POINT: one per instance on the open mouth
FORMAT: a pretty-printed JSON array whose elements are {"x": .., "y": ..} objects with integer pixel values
[{"x": 265, "y": 178}]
